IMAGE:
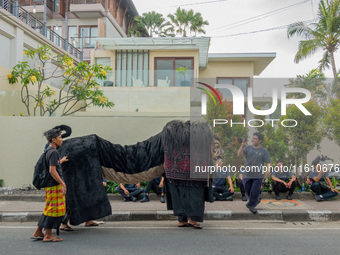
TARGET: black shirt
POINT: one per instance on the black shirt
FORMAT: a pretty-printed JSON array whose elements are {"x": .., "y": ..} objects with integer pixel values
[{"x": 53, "y": 159}]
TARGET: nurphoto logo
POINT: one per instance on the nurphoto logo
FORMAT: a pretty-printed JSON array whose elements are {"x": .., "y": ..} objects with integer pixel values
[{"x": 238, "y": 101}]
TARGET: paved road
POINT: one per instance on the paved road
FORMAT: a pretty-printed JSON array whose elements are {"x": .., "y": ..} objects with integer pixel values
[{"x": 163, "y": 237}]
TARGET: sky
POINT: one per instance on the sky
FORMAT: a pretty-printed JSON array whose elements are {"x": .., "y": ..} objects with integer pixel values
[{"x": 234, "y": 25}]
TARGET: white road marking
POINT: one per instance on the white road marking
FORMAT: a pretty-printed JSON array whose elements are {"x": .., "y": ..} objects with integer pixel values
[{"x": 204, "y": 227}]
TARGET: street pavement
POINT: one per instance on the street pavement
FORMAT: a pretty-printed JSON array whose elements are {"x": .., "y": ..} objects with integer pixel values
[
  {"x": 163, "y": 237},
  {"x": 16, "y": 208}
]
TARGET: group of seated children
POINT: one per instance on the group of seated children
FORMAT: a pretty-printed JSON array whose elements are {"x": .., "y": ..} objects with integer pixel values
[
  {"x": 132, "y": 192},
  {"x": 282, "y": 181}
]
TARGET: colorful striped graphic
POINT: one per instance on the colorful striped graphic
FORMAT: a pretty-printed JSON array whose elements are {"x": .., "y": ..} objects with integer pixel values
[{"x": 212, "y": 89}]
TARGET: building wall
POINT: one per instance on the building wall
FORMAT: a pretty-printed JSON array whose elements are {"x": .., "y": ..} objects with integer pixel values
[
  {"x": 5, "y": 51},
  {"x": 228, "y": 69},
  {"x": 10, "y": 96},
  {"x": 15, "y": 37},
  {"x": 156, "y": 101},
  {"x": 22, "y": 141}
]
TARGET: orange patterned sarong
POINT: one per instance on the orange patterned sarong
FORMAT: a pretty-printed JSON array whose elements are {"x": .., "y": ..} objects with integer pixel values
[{"x": 55, "y": 202}]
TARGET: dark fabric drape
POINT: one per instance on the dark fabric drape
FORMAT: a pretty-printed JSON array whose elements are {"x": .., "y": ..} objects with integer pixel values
[{"x": 86, "y": 197}]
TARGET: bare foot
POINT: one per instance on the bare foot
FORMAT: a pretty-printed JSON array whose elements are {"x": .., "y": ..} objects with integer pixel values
[
  {"x": 65, "y": 227},
  {"x": 52, "y": 239},
  {"x": 182, "y": 224},
  {"x": 195, "y": 224},
  {"x": 38, "y": 233},
  {"x": 91, "y": 223}
]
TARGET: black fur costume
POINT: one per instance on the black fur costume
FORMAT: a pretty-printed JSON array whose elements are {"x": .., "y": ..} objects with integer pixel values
[{"x": 91, "y": 158}]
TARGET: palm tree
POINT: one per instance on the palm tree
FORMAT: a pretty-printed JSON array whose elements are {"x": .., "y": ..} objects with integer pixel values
[
  {"x": 197, "y": 23},
  {"x": 187, "y": 22},
  {"x": 153, "y": 23},
  {"x": 324, "y": 34}
]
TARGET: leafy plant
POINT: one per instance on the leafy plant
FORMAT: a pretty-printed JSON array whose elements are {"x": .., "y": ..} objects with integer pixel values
[
  {"x": 152, "y": 23},
  {"x": 323, "y": 34},
  {"x": 187, "y": 22},
  {"x": 334, "y": 182},
  {"x": 230, "y": 136},
  {"x": 111, "y": 187},
  {"x": 78, "y": 89},
  {"x": 1, "y": 182}
]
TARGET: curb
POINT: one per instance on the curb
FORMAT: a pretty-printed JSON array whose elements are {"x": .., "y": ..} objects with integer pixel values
[
  {"x": 307, "y": 215},
  {"x": 153, "y": 196}
]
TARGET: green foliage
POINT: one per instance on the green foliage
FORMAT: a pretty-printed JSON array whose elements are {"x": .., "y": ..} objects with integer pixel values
[
  {"x": 231, "y": 137},
  {"x": 1, "y": 182},
  {"x": 299, "y": 186},
  {"x": 152, "y": 24},
  {"x": 182, "y": 71},
  {"x": 321, "y": 35},
  {"x": 78, "y": 87},
  {"x": 187, "y": 22},
  {"x": 334, "y": 182},
  {"x": 111, "y": 187},
  {"x": 183, "y": 23},
  {"x": 275, "y": 140},
  {"x": 332, "y": 120},
  {"x": 307, "y": 134},
  {"x": 314, "y": 82}
]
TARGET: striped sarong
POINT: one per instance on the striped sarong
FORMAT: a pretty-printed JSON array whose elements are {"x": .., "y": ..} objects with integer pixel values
[{"x": 55, "y": 202}]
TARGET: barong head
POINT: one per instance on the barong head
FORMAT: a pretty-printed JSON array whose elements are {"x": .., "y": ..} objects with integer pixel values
[
  {"x": 176, "y": 135},
  {"x": 52, "y": 133},
  {"x": 188, "y": 144},
  {"x": 201, "y": 141}
]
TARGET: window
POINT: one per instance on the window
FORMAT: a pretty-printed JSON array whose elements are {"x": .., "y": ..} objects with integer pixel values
[
  {"x": 241, "y": 83},
  {"x": 5, "y": 51},
  {"x": 107, "y": 82},
  {"x": 132, "y": 68},
  {"x": 56, "y": 5},
  {"x": 73, "y": 36},
  {"x": 174, "y": 72},
  {"x": 90, "y": 34}
]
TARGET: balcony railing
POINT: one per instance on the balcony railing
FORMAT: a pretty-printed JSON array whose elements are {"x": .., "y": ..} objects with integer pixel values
[
  {"x": 49, "y": 3},
  {"x": 87, "y": 2},
  {"x": 38, "y": 26}
]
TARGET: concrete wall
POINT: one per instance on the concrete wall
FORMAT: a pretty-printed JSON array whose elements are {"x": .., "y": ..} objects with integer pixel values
[
  {"x": 10, "y": 96},
  {"x": 228, "y": 69},
  {"x": 174, "y": 101},
  {"x": 22, "y": 141}
]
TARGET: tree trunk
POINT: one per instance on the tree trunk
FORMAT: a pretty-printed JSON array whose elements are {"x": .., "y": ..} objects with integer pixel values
[
  {"x": 331, "y": 54},
  {"x": 336, "y": 87}
]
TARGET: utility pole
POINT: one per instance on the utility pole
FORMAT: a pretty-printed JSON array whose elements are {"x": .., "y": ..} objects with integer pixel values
[
  {"x": 45, "y": 28},
  {"x": 66, "y": 28}
]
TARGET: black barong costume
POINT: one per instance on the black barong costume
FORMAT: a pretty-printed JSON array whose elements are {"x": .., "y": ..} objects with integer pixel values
[{"x": 91, "y": 158}]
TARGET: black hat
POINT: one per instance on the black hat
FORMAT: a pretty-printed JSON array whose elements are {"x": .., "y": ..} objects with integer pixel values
[{"x": 52, "y": 133}]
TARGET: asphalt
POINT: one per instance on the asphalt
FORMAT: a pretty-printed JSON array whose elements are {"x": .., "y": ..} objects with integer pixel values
[{"x": 303, "y": 207}]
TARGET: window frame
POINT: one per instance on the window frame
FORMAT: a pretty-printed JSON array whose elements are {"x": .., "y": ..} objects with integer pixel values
[
  {"x": 70, "y": 38},
  {"x": 233, "y": 81},
  {"x": 90, "y": 36},
  {"x": 173, "y": 67}
]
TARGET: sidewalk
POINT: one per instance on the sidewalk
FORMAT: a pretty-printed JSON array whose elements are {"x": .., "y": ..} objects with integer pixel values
[{"x": 302, "y": 208}]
